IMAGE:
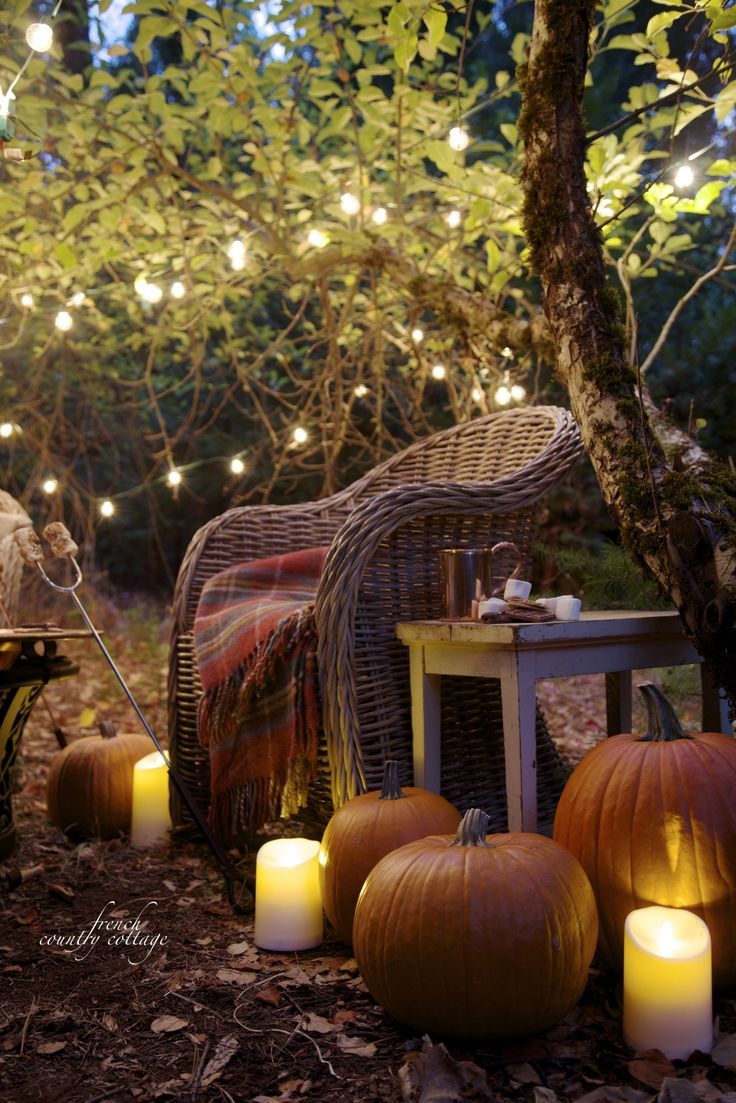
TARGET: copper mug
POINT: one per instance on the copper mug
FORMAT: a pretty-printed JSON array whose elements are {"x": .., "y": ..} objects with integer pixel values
[{"x": 466, "y": 575}]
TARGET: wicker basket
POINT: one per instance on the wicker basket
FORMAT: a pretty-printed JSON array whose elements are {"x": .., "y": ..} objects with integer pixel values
[{"x": 477, "y": 483}]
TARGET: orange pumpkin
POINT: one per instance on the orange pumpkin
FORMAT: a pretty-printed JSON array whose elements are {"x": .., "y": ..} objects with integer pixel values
[
  {"x": 652, "y": 820},
  {"x": 89, "y": 791},
  {"x": 475, "y": 936},
  {"x": 367, "y": 827}
]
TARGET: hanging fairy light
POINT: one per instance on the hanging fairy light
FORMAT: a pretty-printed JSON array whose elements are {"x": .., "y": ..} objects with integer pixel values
[
  {"x": 476, "y": 394},
  {"x": 379, "y": 216},
  {"x": 502, "y": 397},
  {"x": 63, "y": 321},
  {"x": 40, "y": 37},
  {"x": 684, "y": 176},
  {"x": 107, "y": 508},
  {"x": 439, "y": 371},
  {"x": 417, "y": 335},
  {"x": 360, "y": 391},
  {"x": 177, "y": 290},
  {"x": 77, "y": 298},
  {"x": 26, "y": 300},
  {"x": 349, "y": 203},
  {"x": 237, "y": 466},
  {"x": 507, "y": 353},
  {"x": 453, "y": 218},
  {"x": 152, "y": 293},
  {"x": 518, "y": 393},
  {"x": 6, "y": 429},
  {"x": 458, "y": 139},
  {"x": 174, "y": 477},
  {"x": 317, "y": 239},
  {"x": 236, "y": 253},
  {"x": 300, "y": 435},
  {"x": 50, "y": 486},
  {"x": 140, "y": 283}
]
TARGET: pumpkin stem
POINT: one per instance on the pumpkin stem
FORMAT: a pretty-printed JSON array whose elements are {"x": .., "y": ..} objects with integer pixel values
[
  {"x": 663, "y": 723},
  {"x": 107, "y": 729},
  {"x": 391, "y": 788},
  {"x": 472, "y": 829}
]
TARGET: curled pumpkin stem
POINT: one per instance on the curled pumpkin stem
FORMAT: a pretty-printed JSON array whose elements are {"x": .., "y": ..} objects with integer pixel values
[
  {"x": 472, "y": 829},
  {"x": 663, "y": 723}
]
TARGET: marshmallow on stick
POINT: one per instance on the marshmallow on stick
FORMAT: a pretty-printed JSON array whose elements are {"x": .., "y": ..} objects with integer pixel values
[
  {"x": 28, "y": 545},
  {"x": 60, "y": 540}
]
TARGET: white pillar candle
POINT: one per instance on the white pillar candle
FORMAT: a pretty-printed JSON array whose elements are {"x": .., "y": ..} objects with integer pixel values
[
  {"x": 288, "y": 897},
  {"x": 517, "y": 587},
  {"x": 667, "y": 982},
  {"x": 150, "y": 817},
  {"x": 568, "y": 607},
  {"x": 492, "y": 606}
]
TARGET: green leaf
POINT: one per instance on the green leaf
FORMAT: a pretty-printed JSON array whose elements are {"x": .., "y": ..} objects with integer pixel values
[
  {"x": 662, "y": 21},
  {"x": 405, "y": 51},
  {"x": 435, "y": 20},
  {"x": 353, "y": 50},
  {"x": 74, "y": 216},
  {"x": 65, "y": 255}
]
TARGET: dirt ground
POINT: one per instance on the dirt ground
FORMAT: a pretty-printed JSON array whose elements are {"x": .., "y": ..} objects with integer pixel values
[{"x": 197, "y": 1012}]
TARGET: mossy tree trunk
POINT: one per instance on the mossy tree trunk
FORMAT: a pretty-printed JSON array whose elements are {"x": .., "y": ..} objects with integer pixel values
[{"x": 676, "y": 513}]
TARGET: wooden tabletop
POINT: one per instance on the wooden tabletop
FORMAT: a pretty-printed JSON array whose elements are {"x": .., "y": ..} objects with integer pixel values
[
  {"x": 597, "y": 626},
  {"x": 42, "y": 632}
]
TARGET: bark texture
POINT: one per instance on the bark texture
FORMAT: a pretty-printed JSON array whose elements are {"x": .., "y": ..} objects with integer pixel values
[{"x": 676, "y": 510}]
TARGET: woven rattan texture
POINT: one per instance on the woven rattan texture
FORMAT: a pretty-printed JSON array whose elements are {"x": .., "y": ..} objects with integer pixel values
[
  {"x": 11, "y": 563},
  {"x": 477, "y": 483}
]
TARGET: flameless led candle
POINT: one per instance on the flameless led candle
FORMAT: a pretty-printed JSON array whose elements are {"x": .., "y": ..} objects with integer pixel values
[
  {"x": 288, "y": 897},
  {"x": 667, "y": 982},
  {"x": 150, "y": 818}
]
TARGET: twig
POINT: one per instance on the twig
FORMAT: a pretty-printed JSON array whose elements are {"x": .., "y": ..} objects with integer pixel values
[
  {"x": 31, "y": 1011},
  {"x": 196, "y": 1076}
]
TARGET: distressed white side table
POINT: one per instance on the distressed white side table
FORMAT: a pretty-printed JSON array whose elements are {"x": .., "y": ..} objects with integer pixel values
[{"x": 610, "y": 643}]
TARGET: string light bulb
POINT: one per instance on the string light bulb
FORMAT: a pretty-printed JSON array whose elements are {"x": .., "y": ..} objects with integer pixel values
[
  {"x": 349, "y": 203},
  {"x": 152, "y": 293},
  {"x": 49, "y": 486},
  {"x": 236, "y": 253},
  {"x": 177, "y": 290},
  {"x": 40, "y": 37},
  {"x": 518, "y": 393},
  {"x": 684, "y": 176},
  {"x": 107, "y": 509},
  {"x": 476, "y": 394},
  {"x": 6, "y": 429},
  {"x": 77, "y": 298},
  {"x": 237, "y": 466},
  {"x": 453, "y": 219},
  {"x": 379, "y": 216},
  {"x": 439, "y": 371},
  {"x": 360, "y": 391},
  {"x": 458, "y": 139},
  {"x": 140, "y": 283},
  {"x": 317, "y": 239},
  {"x": 26, "y": 300},
  {"x": 502, "y": 397},
  {"x": 174, "y": 477},
  {"x": 64, "y": 321},
  {"x": 300, "y": 435}
]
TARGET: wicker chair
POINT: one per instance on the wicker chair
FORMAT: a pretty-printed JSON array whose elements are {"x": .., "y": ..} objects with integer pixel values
[{"x": 477, "y": 483}]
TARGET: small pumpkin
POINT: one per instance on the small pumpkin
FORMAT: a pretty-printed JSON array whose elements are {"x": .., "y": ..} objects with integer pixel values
[
  {"x": 367, "y": 827},
  {"x": 652, "y": 820},
  {"x": 89, "y": 791},
  {"x": 475, "y": 936}
]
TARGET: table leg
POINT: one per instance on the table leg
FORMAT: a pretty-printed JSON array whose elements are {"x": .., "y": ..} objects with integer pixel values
[
  {"x": 618, "y": 702},
  {"x": 715, "y": 705},
  {"x": 425, "y": 721},
  {"x": 519, "y": 706}
]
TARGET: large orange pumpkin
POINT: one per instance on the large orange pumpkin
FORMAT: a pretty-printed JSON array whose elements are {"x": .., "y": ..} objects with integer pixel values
[
  {"x": 652, "y": 820},
  {"x": 89, "y": 791},
  {"x": 367, "y": 827},
  {"x": 475, "y": 936}
]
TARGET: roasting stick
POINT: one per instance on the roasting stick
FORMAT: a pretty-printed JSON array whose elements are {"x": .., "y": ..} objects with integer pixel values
[{"x": 63, "y": 547}]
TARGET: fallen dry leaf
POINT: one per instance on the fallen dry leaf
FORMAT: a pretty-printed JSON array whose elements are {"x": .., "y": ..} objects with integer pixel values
[
  {"x": 316, "y": 1024},
  {"x": 238, "y": 947},
  {"x": 50, "y": 1047},
  {"x": 609, "y": 1093},
  {"x": 226, "y": 1048},
  {"x": 236, "y": 976},
  {"x": 269, "y": 995},
  {"x": 356, "y": 1047},
  {"x": 682, "y": 1090},
  {"x": 651, "y": 1068},
  {"x": 431, "y": 1075},
  {"x": 524, "y": 1074},
  {"x": 724, "y": 1051},
  {"x": 166, "y": 1024},
  {"x": 544, "y": 1095},
  {"x": 63, "y": 892}
]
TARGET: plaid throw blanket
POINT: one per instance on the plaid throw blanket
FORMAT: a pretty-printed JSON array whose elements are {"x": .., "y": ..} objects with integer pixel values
[{"x": 255, "y": 643}]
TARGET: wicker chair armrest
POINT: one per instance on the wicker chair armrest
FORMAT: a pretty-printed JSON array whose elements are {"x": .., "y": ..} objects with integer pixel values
[{"x": 339, "y": 589}]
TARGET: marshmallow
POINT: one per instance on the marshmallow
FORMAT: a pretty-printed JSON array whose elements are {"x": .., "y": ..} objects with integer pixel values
[
  {"x": 517, "y": 587},
  {"x": 549, "y": 603},
  {"x": 568, "y": 608},
  {"x": 492, "y": 606}
]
